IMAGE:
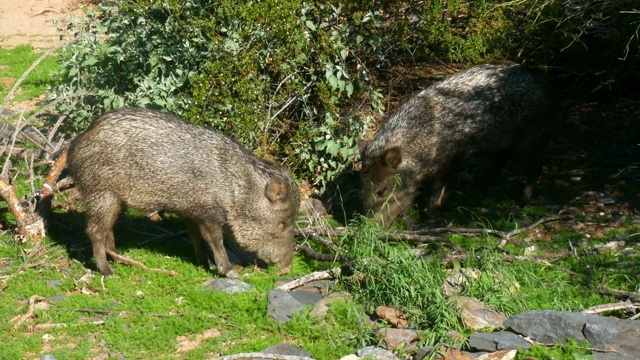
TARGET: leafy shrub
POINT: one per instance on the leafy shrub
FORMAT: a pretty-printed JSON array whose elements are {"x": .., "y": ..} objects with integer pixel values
[
  {"x": 277, "y": 75},
  {"x": 297, "y": 80}
]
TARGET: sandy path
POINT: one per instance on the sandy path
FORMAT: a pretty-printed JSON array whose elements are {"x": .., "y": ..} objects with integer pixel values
[{"x": 31, "y": 21}]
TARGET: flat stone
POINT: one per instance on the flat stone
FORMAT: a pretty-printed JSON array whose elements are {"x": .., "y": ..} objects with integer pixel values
[
  {"x": 614, "y": 334},
  {"x": 350, "y": 357},
  {"x": 55, "y": 298},
  {"x": 475, "y": 315},
  {"x": 423, "y": 352},
  {"x": 229, "y": 286},
  {"x": 54, "y": 283},
  {"x": 549, "y": 327},
  {"x": 377, "y": 353},
  {"x": 286, "y": 349},
  {"x": 499, "y": 355},
  {"x": 282, "y": 306},
  {"x": 306, "y": 297},
  {"x": 501, "y": 340},
  {"x": 396, "y": 337},
  {"x": 321, "y": 308}
]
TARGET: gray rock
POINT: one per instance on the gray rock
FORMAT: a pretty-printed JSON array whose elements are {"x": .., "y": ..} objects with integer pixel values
[
  {"x": 548, "y": 326},
  {"x": 7, "y": 114},
  {"x": 53, "y": 283},
  {"x": 423, "y": 352},
  {"x": 286, "y": 349},
  {"x": 306, "y": 297},
  {"x": 230, "y": 286},
  {"x": 48, "y": 357},
  {"x": 613, "y": 356},
  {"x": 377, "y": 353},
  {"x": 321, "y": 308},
  {"x": 55, "y": 298},
  {"x": 502, "y": 340},
  {"x": 602, "y": 332},
  {"x": 610, "y": 333},
  {"x": 282, "y": 306}
]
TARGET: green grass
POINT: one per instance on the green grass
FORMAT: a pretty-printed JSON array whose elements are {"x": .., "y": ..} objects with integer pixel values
[
  {"x": 15, "y": 61},
  {"x": 141, "y": 315}
]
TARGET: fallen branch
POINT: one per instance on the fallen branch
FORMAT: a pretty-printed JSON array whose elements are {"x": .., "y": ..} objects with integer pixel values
[
  {"x": 635, "y": 297},
  {"x": 43, "y": 208},
  {"x": 318, "y": 275},
  {"x": 622, "y": 305},
  {"x": 128, "y": 261},
  {"x": 18, "y": 320},
  {"x": 29, "y": 225}
]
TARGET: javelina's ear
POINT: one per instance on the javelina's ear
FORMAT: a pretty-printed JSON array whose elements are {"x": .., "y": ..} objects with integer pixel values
[
  {"x": 276, "y": 189},
  {"x": 392, "y": 157}
]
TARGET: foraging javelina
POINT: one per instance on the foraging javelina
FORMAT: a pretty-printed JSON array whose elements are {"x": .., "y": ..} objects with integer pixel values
[
  {"x": 485, "y": 108},
  {"x": 151, "y": 161}
]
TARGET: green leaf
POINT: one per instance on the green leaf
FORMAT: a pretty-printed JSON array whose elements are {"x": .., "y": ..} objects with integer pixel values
[
  {"x": 310, "y": 25},
  {"x": 90, "y": 61}
]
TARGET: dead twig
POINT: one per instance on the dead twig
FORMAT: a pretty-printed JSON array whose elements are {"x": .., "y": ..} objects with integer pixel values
[
  {"x": 128, "y": 261},
  {"x": 622, "y": 305},
  {"x": 44, "y": 11},
  {"x": 18, "y": 320},
  {"x": 635, "y": 297},
  {"x": 318, "y": 275}
]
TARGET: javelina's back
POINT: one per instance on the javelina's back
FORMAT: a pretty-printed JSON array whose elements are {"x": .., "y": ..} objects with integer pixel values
[
  {"x": 152, "y": 161},
  {"x": 484, "y": 108}
]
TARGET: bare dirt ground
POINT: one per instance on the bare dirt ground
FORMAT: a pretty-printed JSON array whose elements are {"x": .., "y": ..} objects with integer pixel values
[{"x": 32, "y": 21}]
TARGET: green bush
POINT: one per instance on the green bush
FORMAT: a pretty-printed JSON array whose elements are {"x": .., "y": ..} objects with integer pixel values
[
  {"x": 297, "y": 81},
  {"x": 276, "y": 75}
]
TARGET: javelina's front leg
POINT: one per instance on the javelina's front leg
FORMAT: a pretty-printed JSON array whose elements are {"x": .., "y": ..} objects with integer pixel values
[
  {"x": 437, "y": 193},
  {"x": 211, "y": 232}
]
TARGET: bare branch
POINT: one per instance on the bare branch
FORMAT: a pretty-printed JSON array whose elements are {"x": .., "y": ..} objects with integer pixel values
[
  {"x": 126, "y": 260},
  {"x": 318, "y": 275}
]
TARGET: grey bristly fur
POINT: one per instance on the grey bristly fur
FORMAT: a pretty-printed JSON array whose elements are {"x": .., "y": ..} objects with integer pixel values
[
  {"x": 150, "y": 160},
  {"x": 484, "y": 108}
]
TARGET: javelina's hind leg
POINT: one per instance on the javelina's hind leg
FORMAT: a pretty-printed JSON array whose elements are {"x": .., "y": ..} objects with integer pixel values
[
  {"x": 211, "y": 231},
  {"x": 199, "y": 245},
  {"x": 102, "y": 214}
]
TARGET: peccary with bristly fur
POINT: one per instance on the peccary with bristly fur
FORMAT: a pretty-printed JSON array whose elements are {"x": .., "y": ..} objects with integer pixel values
[
  {"x": 484, "y": 108},
  {"x": 150, "y": 160}
]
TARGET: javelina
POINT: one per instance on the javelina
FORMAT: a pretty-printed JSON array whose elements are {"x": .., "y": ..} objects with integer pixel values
[
  {"x": 485, "y": 108},
  {"x": 151, "y": 161}
]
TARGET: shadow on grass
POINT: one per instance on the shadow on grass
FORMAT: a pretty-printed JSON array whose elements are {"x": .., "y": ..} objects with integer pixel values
[{"x": 168, "y": 236}]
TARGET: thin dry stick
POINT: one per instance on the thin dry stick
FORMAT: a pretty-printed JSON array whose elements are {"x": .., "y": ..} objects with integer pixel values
[
  {"x": 7, "y": 162},
  {"x": 18, "y": 320},
  {"x": 128, "y": 261},
  {"x": 318, "y": 275},
  {"x": 622, "y": 305}
]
